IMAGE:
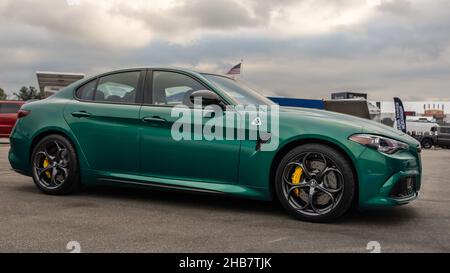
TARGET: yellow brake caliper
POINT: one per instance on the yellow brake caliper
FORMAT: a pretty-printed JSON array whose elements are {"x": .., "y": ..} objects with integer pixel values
[
  {"x": 45, "y": 165},
  {"x": 296, "y": 177}
]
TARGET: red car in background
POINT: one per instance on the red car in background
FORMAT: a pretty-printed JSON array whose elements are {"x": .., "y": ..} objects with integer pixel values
[{"x": 8, "y": 116}]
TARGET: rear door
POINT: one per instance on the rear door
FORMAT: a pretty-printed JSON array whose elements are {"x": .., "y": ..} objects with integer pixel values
[{"x": 105, "y": 120}]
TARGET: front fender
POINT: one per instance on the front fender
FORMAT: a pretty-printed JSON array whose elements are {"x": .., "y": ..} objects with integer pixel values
[{"x": 256, "y": 166}]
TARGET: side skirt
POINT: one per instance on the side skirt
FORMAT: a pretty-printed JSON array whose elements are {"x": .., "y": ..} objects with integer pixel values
[
  {"x": 158, "y": 185},
  {"x": 91, "y": 177}
]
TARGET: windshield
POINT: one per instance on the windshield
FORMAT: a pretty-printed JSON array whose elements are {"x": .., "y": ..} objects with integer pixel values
[{"x": 241, "y": 93}]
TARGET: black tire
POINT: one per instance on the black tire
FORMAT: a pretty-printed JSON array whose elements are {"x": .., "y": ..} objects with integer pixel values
[
  {"x": 63, "y": 176},
  {"x": 427, "y": 143},
  {"x": 344, "y": 177}
]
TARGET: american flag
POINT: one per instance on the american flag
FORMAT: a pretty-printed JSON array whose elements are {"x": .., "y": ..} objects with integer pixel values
[{"x": 235, "y": 70}]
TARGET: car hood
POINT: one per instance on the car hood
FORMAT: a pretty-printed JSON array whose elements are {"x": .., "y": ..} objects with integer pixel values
[{"x": 365, "y": 125}]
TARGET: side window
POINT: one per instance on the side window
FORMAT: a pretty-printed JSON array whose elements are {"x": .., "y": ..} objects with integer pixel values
[
  {"x": 86, "y": 92},
  {"x": 9, "y": 108},
  {"x": 120, "y": 87},
  {"x": 170, "y": 88}
]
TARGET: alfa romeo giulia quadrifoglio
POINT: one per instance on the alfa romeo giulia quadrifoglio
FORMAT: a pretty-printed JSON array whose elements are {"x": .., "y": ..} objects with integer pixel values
[{"x": 120, "y": 128}]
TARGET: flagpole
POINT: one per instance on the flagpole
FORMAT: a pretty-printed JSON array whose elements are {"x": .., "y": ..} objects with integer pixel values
[{"x": 242, "y": 68}]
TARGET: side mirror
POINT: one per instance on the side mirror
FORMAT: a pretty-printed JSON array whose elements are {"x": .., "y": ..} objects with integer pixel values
[
  {"x": 434, "y": 129},
  {"x": 207, "y": 97}
]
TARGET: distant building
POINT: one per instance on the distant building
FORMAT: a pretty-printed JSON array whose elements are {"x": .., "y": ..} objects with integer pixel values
[
  {"x": 435, "y": 109},
  {"x": 359, "y": 107},
  {"x": 348, "y": 95},
  {"x": 295, "y": 102},
  {"x": 52, "y": 82},
  {"x": 410, "y": 113}
]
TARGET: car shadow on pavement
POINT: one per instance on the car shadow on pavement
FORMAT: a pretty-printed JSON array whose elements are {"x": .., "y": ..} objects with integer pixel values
[
  {"x": 170, "y": 197},
  {"x": 390, "y": 216},
  {"x": 186, "y": 199}
]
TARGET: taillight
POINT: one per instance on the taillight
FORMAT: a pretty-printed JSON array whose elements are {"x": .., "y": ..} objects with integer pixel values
[{"x": 23, "y": 113}]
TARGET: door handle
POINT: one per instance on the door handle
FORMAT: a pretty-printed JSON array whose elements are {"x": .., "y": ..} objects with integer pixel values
[
  {"x": 81, "y": 114},
  {"x": 154, "y": 119}
]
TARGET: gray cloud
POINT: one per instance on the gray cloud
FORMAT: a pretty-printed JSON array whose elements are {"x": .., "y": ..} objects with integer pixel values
[
  {"x": 394, "y": 47},
  {"x": 403, "y": 7}
]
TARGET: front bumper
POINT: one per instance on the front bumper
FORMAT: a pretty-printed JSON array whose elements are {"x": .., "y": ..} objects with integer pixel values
[
  {"x": 388, "y": 195},
  {"x": 389, "y": 180}
]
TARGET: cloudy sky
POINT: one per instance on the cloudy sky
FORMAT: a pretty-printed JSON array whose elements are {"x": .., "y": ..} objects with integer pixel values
[{"x": 298, "y": 48}]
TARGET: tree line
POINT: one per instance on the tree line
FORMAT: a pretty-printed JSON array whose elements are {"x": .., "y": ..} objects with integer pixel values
[{"x": 25, "y": 93}]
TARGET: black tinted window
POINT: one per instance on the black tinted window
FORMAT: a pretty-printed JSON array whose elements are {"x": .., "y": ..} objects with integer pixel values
[
  {"x": 9, "y": 108},
  {"x": 86, "y": 92},
  {"x": 171, "y": 88},
  {"x": 119, "y": 88},
  {"x": 445, "y": 130}
]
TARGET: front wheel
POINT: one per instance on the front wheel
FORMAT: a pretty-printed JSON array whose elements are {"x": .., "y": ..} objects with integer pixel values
[
  {"x": 314, "y": 182},
  {"x": 55, "y": 166}
]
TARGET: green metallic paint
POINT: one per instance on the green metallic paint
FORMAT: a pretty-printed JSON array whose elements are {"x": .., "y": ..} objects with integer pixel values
[
  {"x": 213, "y": 161},
  {"x": 109, "y": 136},
  {"x": 114, "y": 145}
]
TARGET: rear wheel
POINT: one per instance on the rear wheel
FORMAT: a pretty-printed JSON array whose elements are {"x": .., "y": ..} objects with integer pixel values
[
  {"x": 315, "y": 183},
  {"x": 427, "y": 143},
  {"x": 55, "y": 166}
]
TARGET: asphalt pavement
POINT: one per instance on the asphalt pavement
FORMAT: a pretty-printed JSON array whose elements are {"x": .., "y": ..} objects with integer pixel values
[{"x": 106, "y": 219}]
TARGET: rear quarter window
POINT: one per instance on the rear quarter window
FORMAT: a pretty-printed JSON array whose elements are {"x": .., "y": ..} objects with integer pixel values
[
  {"x": 118, "y": 88},
  {"x": 86, "y": 92}
]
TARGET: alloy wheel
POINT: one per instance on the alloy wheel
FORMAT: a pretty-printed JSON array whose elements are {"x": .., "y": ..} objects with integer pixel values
[
  {"x": 51, "y": 164},
  {"x": 312, "y": 183}
]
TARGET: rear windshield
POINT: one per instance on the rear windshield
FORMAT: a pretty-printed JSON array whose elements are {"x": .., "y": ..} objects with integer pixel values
[{"x": 6, "y": 108}]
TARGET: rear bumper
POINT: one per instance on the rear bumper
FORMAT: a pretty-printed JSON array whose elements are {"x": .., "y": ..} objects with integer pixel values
[
  {"x": 21, "y": 172},
  {"x": 18, "y": 155}
]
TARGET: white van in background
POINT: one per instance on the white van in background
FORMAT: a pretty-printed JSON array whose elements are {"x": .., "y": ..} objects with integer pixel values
[
  {"x": 420, "y": 119},
  {"x": 419, "y": 125}
]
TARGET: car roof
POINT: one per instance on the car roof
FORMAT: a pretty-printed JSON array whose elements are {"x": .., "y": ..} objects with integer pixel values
[
  {"x": 175, "y": 68},
  {"x": 79, "y": 83}
]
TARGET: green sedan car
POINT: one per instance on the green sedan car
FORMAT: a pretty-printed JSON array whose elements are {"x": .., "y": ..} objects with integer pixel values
[{"x": 117, "y": 129}]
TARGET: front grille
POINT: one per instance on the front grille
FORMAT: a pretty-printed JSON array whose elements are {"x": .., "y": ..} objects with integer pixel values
[{"x": 405, "y": 187}]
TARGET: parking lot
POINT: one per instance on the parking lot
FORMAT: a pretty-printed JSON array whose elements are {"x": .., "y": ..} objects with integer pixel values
[{"x": 128, "y": 220}]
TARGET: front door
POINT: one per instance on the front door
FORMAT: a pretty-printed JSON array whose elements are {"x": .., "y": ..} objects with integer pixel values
[{"x": 203, "y": 160}]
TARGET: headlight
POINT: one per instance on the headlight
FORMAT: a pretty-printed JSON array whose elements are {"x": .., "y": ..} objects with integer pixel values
[{"x": 382, "y": 144}]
